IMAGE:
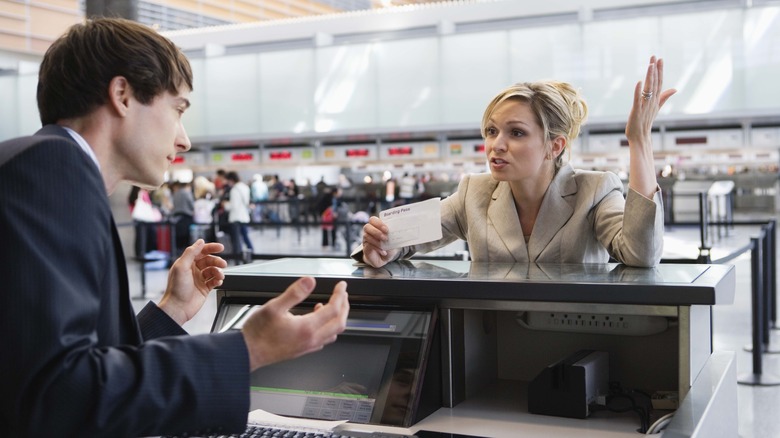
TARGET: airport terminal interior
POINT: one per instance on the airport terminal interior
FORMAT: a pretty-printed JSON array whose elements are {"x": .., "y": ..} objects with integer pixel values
[{"x": 331, "y": 111}]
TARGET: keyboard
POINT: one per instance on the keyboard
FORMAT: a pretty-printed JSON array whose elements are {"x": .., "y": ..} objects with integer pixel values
[{"x": 274, "y": 431}]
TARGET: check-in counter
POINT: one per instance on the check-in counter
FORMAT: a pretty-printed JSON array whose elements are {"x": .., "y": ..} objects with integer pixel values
[{"x": 501, "y": 324}]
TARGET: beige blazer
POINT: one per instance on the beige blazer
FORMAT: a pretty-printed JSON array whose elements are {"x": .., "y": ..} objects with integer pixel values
[{"x": 584, "y": 218}]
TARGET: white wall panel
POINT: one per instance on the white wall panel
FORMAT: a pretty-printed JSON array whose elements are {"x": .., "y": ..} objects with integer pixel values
[
  {"x": 614, "y": 56},
  {"x": 286, "y": 91},
  {"x": 9, "y": 121},
  {"x": 345, "y": 95},
  {"x": 29, "y": 118},
  {"x": 195, "y": 117},
  {"x": 232, "y": 95},
  {"x": 531, "y": 59},
  {"x": 702, "y": 51},
  {"x": 474, "y": 68},
  {"x": 408, "y": 88},
  {"x": 762, "y": 57}
]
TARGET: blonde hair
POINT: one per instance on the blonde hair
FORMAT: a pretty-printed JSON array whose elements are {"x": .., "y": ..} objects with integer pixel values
[
  {"x": 559, "y": 109},
  {"x": 202, "y": 187}
]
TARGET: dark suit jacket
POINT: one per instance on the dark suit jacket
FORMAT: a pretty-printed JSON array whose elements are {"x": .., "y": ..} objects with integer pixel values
[{"x": 75, "y": 360}]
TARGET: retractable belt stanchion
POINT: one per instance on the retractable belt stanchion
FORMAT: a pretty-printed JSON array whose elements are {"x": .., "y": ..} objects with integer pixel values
[
  {"x": 757, "y": 265},
  {"x": 704, "y": 225},
  {"x": 769, "y": 302},
  {"x": 772, "y": 234}
]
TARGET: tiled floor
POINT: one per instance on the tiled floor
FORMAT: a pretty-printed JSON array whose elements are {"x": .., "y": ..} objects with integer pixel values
[{"x": 758, "y": 405}]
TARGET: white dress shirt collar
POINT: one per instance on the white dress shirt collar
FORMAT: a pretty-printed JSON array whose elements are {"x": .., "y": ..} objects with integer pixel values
[{"x": 84, "y": 145}]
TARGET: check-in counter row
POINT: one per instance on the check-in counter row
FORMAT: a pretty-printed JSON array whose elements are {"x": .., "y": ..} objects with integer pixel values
[{"x": 495, "y": 327}]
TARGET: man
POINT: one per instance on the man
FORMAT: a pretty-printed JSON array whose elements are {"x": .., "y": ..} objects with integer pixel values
[
  {"x": 238, "y": 207},
  {"x": 76, "y": 361}
]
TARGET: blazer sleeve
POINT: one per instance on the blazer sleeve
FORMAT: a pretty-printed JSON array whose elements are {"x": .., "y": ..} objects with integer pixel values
[
  {"x": 632, "y": 229},
  {"x": 155, "y": 323},
  {"x": 64, "y": 376}
]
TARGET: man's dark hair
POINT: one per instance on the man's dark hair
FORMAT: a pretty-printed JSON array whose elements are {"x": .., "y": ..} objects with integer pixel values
[
  {"x": 233, "y": 177},
  {"x": 77, "y": 68}
]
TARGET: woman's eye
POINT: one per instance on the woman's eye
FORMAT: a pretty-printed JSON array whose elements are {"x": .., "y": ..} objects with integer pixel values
[
  {"x": 491, "y": 131},
  {"x": 518, "y": 133}
]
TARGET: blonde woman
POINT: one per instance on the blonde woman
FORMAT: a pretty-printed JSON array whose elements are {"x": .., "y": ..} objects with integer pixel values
[{"x": 532, "y": 207}]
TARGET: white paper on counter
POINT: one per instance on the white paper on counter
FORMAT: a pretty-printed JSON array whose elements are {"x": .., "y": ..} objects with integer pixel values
[{"x": 260, "y": 416}]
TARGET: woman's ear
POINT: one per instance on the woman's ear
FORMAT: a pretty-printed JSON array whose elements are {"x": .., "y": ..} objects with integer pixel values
[{"x": 557, "y": 146}]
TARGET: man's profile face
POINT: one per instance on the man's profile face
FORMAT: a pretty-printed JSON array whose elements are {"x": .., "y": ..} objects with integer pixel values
[{"x": 152, "y": 136}]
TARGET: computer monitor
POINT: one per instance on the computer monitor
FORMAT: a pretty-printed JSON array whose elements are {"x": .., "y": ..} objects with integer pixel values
[{"x": 374, "y": 372}]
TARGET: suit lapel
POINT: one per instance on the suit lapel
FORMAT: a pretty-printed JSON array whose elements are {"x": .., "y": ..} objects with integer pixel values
[
  {"x": 502, "y": 215},
  {"x": 554, "y": 212}
]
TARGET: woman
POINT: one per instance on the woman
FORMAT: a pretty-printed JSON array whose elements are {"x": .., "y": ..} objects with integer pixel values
[{"x": 534, "y": 208}]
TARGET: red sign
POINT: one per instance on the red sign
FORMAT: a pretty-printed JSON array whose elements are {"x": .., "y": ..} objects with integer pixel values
[
  {"x": 479, "y": 148},
  {"x": 357, "y": 152},
  {"x": 238, "y": 156},
  {"x": 403, "y": 150},
  {"x": 280, "y": 155}
]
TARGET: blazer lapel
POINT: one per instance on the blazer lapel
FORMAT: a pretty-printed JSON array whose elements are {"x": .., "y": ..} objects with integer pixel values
[
  {"x": 502, "y": 215},
  {"x": 554, "y": 212}
]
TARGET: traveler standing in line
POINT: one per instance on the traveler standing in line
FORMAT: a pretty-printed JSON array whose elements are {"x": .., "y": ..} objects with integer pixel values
[
  {"x": 203, "y": 208},
  {"x": 145, "y": 236},
  {"x": 238, "y": 208},
  {"x": 534, "y": 207},
  {"x": 183, "y": 211},
  {"x": 76, "y": 359},
  {"x": 407, "y": 188},
  {"x": 259, "y": 190},
  {"x": 327, "y": 216}
]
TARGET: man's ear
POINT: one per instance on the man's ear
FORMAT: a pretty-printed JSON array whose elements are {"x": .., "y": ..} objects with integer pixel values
[
  {"x": 558, "y": 145},
  {"x": 119, "y": 94}
]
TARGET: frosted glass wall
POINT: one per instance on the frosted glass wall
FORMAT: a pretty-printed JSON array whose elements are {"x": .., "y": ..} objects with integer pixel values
[
  {"x": 723, "y": 63},
  {"x": 18, "y": 107},
  {"x": 288, "y": 108},
  {"x": 232, "y": 93},
  {"x": 345, "y": 94},
  {"x": 761, "y": 67},
  {"x": 474, "y": 67},
  {"x": 409, "y": 91},
  {"x": 9, "y": 111}
]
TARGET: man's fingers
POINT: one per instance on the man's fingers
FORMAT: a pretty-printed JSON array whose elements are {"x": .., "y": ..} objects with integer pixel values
[
  {"x": 213, "y": 248},
  {"x": 331, "y": 319},
  {"x": 293, "y": 295},
  {"x": 192, "y": 251},
  {"x": 211, "y": 260},
  {"x": 212, "y": 273}
]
